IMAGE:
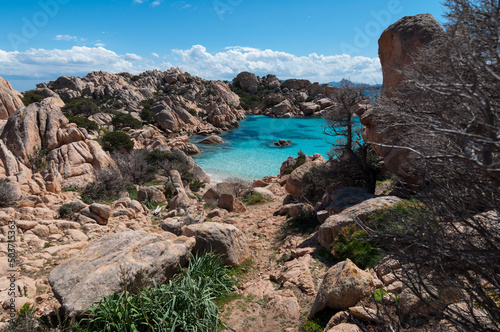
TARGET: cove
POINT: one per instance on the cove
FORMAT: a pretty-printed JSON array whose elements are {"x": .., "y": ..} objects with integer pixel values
[{"x": 248, "y": 152}]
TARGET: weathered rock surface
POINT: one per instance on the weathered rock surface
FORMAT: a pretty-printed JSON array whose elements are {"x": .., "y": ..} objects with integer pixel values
[
  {"x": 231, "y": 203},
  {"x": 344, "y": 285},
  {"x": 344, "y": 327},
  {"x": 95, "y": 271},
  {"x": 224, "y": 240},
  {"x": 401, "y": 41},
  {"x": 10, "y": 99},
  {"x": 398, "y": 45},
  {"x": 330, "y": 229},
  {"x": 212, "y": 140}
]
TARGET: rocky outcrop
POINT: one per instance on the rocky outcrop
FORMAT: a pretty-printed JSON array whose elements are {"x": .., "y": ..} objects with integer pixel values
[
  {"x": 343, "y": 286},
  {"x": 231, "y": 203},
  {"x": 398, "y": 45},
  {"x": 296, "y": 182},
  {"x": 212, "y": 140},
  {"x": 10, "y": 99},
  {"x": 224, "y": 240},
  {"x": 179, "y": 102},
  {"x": 330, "y": 229},
  {"x": 42, "y": 128},
  {"x": 401, "y": 41},
  {"x": 95, "y": 271},
  {"x": 247, "y": 81}
]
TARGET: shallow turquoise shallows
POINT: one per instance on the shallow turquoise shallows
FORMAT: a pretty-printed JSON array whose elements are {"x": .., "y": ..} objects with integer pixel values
[{"x": 248, "y": 152}]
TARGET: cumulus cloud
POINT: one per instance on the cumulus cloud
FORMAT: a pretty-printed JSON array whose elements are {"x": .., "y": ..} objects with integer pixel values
[
  {"x": 79, "y": 60},
  {"x": 314, "y": 67},
  {"x": 43, "y": 65},
  {"x": 66, "y": 37}
]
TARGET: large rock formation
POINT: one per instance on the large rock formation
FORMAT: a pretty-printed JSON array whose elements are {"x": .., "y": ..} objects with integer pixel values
[
  {"x": 402, "y": 41},
  {"x": 225, "y": 240},
  {"x": 343, "y": 286},
  {"x": 42, "y": 128},
  {"x": 398, "y": 45},
  {"x": 10, "y": 99},
  {"x": 101, "y": 267},
  {"x": 179, "y": 102}
]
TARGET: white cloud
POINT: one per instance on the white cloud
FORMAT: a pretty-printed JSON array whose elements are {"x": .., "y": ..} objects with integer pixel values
[
  {"x": 155, "y": 3},
  {"x": 314, "y": 67},
  {"x": 139, "y": 1},
  {"x": 99, "y": 45},
  {"x": 66, "y": 37},
  {"x": 43, "y": 65},
  {"x": 79, "y": 60},
  {"x": 156, "y": 55}
]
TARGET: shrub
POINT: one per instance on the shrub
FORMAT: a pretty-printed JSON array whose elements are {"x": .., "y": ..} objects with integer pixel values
[
  {"x": 193, "y": 112},
  {"x": 82, "y": 122},
  {"x": 146, "y": 114},
  {"x": 239, "y": 188},
  {"x": 196, "y": 185},
  {"x": 107, "y": 186},
  {"x": 169, "y": 190},
  {"x": 121, "y": 120},
  {"x": 32, "y": 96},
  {"x": 135, "y": 78},
  {"x": 39, "y": 161},
  {"x": 288, "y": 170},
  {"x": 117, "y": 140},
  {"x": 305, "y": 222},
  {"x": 157, "y": 157},
  {"x": 25, "y": 320},
  {"x": 352, "y": 243},
  {"x": 254, "y": 198},
  {"x": 301, "y": 159},
  {"x": 67, "y": 211},
  {"x": 184, "y": 303},
  {"x": 311, "y": 326},
  {"x": 309, "y": 99},
  {"x": 81, "y": 106}
]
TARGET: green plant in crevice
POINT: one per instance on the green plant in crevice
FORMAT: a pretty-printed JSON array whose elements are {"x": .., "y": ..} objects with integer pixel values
[
  {"x": 352, "y": 243},
  {"x": 254, "y": 198},
  {"x": 184, "y": 303}
]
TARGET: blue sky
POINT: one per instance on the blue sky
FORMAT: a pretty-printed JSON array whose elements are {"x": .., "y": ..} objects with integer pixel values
[{"x": 320, "y": 40}]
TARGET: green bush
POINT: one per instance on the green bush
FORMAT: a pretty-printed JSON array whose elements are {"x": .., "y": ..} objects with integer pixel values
[
  {"x": 116, "y": 140},
  {"x": 121, "y": 120},
  {"x": 169, "y": 190},
  {"x": 184, "y": 303},
  {"x": 157, "y": 157},
  {"x": 107, "y": 187},
  {"x": 288, "y": 170},
  {"x": 32, "y": 96},
  {"x": 82, "y": 122},
  {"x": 81, "y": 106},
  {"x": 135, "y": 78},
  {"x": 193, "y": 112},
  {"x": 196, "y": 185},
  {"x": 352, "y": 243},
  {"x": 39, "y": 161},
  {"x": 254, "y": 198},
  {"x": 311, "y": 326},
  {"x": 146, "y": 114},
  {"x": 67, "y": 211}
]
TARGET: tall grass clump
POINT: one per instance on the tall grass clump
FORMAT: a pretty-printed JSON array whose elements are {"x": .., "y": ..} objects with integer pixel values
[{"x": 184, "y": 303}]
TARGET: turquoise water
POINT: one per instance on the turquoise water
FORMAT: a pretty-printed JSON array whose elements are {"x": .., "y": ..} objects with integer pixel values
[{"x": 248, "y": 151}]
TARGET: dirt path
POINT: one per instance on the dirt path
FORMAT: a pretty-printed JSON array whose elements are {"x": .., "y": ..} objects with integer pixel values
[{"x": 268, "y": 300}]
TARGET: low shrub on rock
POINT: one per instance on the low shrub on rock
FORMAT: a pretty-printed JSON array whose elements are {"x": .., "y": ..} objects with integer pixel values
[{"x": 117, "y": 140}]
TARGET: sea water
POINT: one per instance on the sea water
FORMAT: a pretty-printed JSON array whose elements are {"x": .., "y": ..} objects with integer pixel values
[{"x": 248, "y": 152}]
